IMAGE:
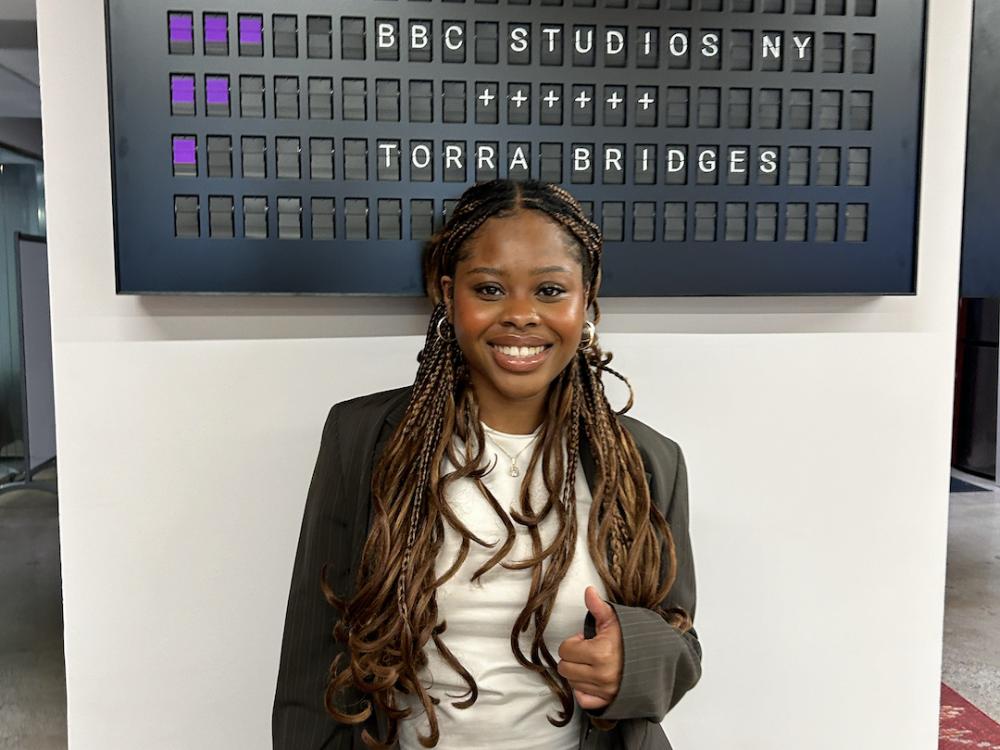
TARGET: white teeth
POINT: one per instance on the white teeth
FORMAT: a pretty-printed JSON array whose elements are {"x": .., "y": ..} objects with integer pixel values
[{"x": 520, "y": 351}]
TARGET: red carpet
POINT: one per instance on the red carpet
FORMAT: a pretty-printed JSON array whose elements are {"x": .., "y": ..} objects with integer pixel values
[{"x": 965, "y": 726}]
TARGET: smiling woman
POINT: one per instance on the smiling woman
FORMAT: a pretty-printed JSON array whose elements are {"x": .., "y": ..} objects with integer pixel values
[
  {"x": 566, "y": 587},
  {"x": 517, "y": 303}
]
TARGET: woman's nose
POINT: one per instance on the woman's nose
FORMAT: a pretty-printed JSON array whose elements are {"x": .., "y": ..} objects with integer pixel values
[{"x": 520, "y": 311}]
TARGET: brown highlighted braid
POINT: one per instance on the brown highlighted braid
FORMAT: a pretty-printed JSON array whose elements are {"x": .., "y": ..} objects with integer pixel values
[{"x": 393, "y": 614}]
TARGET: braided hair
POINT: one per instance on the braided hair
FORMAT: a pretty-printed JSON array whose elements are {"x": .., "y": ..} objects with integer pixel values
[{"x": 393, "y": 613}]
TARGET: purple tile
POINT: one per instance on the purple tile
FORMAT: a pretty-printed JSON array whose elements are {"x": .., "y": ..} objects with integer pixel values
[
  {"x": 217, "y": 90},
  {"x": 185, "y": 150},
  {"x": 217, "y": 29},
  {"x": 182, "y": 89},
  {"x": 181, "y": 27},
  {"x": 251, "y": 30}
]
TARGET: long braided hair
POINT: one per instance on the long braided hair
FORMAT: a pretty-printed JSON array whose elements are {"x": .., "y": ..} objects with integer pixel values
[{"x": 393, "y": 614}]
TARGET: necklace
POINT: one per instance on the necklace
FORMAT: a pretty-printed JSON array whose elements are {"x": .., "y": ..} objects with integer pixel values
[{"x": 514, "y": 471}]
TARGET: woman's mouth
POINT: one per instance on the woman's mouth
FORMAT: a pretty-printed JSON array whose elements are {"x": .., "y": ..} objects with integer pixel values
[{"x": 520, "y": 358}]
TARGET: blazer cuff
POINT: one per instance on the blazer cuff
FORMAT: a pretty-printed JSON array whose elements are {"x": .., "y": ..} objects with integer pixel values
[{"x": 659, "y": 665}]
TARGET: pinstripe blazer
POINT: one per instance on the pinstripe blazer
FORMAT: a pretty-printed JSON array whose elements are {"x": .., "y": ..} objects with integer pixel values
[{"x": 660, "y": 663}]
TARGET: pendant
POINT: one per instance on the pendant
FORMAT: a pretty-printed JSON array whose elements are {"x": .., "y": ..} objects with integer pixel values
[{"x": 514, "y": 472}]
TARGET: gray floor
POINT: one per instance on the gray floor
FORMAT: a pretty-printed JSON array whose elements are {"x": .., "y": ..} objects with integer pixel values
[
  {"x": 32, "y": 673},
  {"x": 971, "y": 651}
]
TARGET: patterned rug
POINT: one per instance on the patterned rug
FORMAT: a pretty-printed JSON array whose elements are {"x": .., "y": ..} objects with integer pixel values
[{"x": 965, "y": 726}]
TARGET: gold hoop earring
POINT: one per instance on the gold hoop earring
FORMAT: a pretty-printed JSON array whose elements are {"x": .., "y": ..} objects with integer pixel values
[
  {"x": 591, "y": 336},
  {"x": 441, "y": 335}
]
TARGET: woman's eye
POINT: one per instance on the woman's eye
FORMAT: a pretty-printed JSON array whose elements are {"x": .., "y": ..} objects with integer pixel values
[
  {"x": 490, "y": 290},
  {"x": 551, "y": 291}
]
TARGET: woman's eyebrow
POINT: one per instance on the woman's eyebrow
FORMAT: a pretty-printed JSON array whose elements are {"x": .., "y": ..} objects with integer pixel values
[{"x": 549, "y": 269}]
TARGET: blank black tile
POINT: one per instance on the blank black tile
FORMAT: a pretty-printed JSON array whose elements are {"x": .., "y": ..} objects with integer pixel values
[
  {"x": 255, "y": 217},
  {"x": 252, "y": 96},
  {"x": 550, "y": 162},
  {"x": 290, "y": 218},
  {"x": 826, "y": 222},
  {"x": 186, "y": 221},
  {"x": 220, "y": 155},
  {"x": 355, "y": 159},
  {"x": 320, "y": 98},
  {"x": 319, "y": 39},
  {"x": 288, "y": 153},
  {"x": 674, "y": 222},
  {"x": 766, "y": 222},
  {"x": 352, "y": 38},
  {"x": 322, "y": 213},
  {"x": 453, "y": 101},
  {"x": 221, "y": 217},
  {"x": 387, "y": 100},
  {"x": 285, "y": 36},
  {"x": 796, "y": 222},
  {"x": 421, "y": 101},
  {"x": 421, "y": 219},
  {"x": 736, "y": 222},
  {"x": 643, "y": 221},
  {"x": 487, "y": 42},
  {"x": 856, "y": 222},
  {"x": 356, "y": 218},
  {"x": 390, "y": 219},
  {"x": 321, "y": 159},
  {"x": 613, "y": 221},
  {"x": 705, "y": 220},
  {"x": 828, "y": 166}
]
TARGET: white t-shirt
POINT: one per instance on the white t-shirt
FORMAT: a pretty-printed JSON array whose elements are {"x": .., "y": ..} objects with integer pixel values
[{"x": 510, "y": 710}]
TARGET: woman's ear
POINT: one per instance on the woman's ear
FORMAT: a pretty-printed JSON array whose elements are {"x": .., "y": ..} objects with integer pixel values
[{"x": 447, "y": 286}]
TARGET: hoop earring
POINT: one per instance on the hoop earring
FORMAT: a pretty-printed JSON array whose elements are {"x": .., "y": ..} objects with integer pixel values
[
  {"x": 591, "y": 336},
  {"x": 440, "y": 335}
]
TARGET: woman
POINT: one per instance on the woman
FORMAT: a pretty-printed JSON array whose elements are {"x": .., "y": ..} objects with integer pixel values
[{"x": 493, "y": 557}]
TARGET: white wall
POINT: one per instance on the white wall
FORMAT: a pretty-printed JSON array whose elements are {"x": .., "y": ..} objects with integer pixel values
[{"x": 817, "y": 433}]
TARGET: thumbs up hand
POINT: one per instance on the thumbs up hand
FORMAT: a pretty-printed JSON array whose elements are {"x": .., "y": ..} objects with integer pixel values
[{"x": 594, "y": 667}]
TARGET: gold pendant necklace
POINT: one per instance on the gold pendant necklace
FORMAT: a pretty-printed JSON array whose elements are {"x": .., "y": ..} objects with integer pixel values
[{"x": 514, "y": 471}]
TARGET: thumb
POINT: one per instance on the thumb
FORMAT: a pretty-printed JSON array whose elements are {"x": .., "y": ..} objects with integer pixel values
[{"x": 604, "y": 614}]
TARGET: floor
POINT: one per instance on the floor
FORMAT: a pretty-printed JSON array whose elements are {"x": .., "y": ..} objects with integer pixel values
[
  {"x": 971, "y": 652},
  {"x": 32, "y": 673}
]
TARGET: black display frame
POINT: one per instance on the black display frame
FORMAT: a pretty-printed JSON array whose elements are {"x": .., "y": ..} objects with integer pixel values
[{"x": 150, "y": 260}]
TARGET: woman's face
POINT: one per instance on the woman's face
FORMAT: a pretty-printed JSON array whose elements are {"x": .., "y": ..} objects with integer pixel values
[{"x": 518, "y": 305}]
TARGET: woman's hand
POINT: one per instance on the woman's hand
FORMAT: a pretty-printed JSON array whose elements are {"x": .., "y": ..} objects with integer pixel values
[{"x": 594, "y": 667}]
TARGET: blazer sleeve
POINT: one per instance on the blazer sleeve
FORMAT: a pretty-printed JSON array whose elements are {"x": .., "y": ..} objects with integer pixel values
[
  {"x": 299, "y": 720},
  {"x": 660, "y": 663}
]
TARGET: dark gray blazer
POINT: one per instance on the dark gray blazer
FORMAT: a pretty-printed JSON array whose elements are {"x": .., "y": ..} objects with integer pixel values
[{"x": 660, "y": 663}]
